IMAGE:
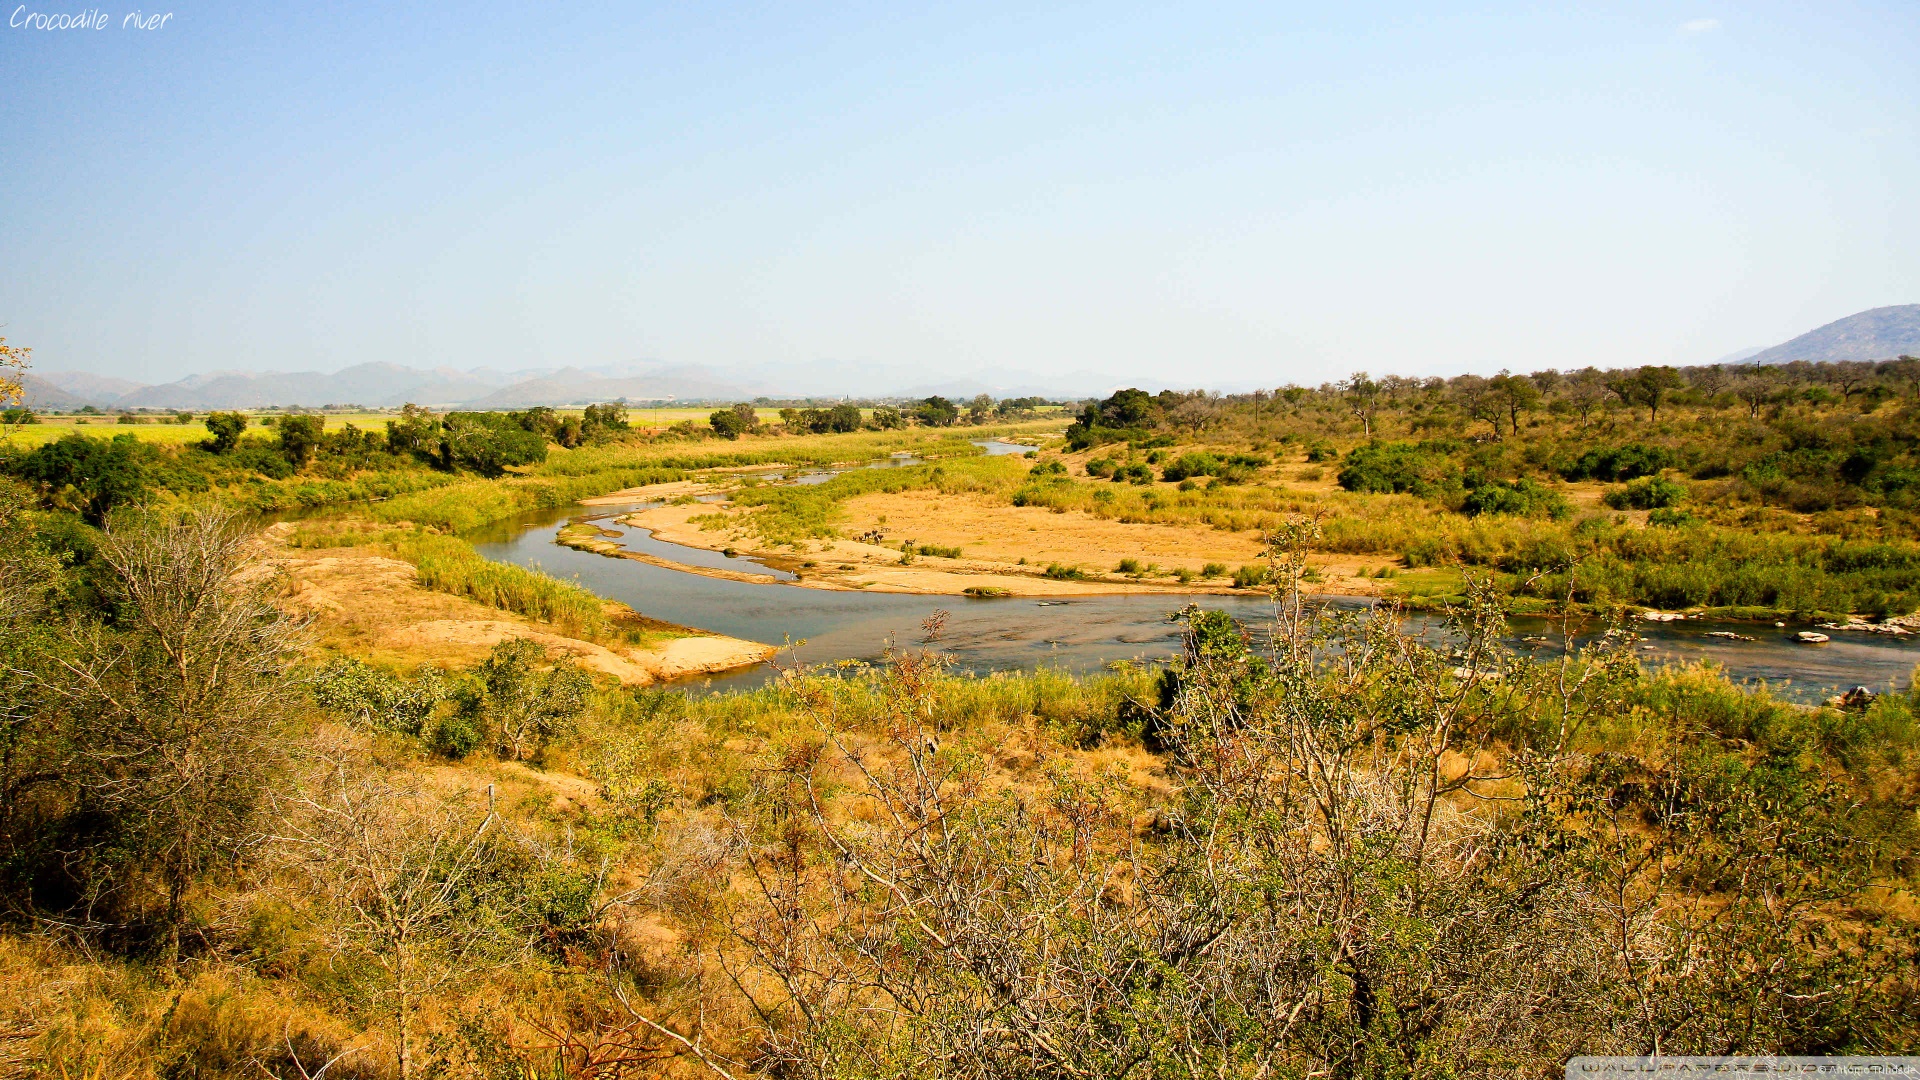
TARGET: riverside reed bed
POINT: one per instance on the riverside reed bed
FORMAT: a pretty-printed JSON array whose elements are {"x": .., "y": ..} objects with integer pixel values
[
  {"x": 1344, "y": 852},
  {"x": 449, "y": 565}
]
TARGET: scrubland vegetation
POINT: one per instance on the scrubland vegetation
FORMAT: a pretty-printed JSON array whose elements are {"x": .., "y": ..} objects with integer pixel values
[
  {"x": 1783, "y": 489},
  {"x": 425, "y": 478},
  {"x": 1341, "y": 851},
  {"x": 1751, "y": 493}
]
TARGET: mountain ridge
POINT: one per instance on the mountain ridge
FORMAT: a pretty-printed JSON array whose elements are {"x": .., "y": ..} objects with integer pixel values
[{"x": 1875, "y": 334}]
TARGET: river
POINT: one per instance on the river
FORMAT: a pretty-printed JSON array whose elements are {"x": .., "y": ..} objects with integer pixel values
[{"x": 1082, "y": 634}]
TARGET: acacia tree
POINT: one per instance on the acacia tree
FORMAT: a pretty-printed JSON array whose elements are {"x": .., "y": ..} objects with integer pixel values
[
  {"x": 1907, "y": 370},
  {"x": 1363, "y": 399},
  {"x": 1583, "y": 395},
  {"x": 1849, "y": 377},
  {"x": 1474, "y": 396},
  {"x": 1754, "y": 391},
  {"x": 1648, "y": 386},
  {"x": 1515, "y": 394}
]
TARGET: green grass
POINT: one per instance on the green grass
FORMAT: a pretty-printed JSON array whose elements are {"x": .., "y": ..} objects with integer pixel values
[{"x": 450, "y": 565}]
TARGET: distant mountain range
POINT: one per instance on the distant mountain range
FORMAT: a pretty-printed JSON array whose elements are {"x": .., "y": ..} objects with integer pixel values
[
  {"x": 1879, "y": 334},
  {"x": 375, "y": 385},
  {"x": 383, "y": 385}
]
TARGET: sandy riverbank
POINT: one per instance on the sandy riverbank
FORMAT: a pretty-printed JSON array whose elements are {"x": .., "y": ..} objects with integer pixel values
[
  {"x": 873, "y": 567},
  {"x": 366, "y": 604}
]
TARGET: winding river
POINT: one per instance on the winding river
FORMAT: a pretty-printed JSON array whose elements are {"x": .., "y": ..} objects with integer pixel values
[{"x": 1079, "y": 634}]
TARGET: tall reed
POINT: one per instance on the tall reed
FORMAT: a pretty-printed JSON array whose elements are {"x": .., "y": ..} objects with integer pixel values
[{"x": 450, "y": 565}]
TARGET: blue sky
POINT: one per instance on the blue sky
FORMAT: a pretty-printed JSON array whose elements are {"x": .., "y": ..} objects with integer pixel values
[{"x": 1230, "y": 195}]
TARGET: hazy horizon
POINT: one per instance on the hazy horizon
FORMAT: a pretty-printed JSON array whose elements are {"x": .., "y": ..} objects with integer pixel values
[{"x": 1246, "y": 195}]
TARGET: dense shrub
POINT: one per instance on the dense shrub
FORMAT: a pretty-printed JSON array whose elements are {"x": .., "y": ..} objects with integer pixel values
[
  {"x": 488, "y": 443},
  {"x": 1670, "y": 518},
  {"x": 1186, "y": 465},
  {"x": 1412, "y": 468},
  {"x": 1647, "y": 493},
  {"x": 88, "y": 476},
  {"x": 1519, "y": 498},
  {"x": 1619, "y": 463}
]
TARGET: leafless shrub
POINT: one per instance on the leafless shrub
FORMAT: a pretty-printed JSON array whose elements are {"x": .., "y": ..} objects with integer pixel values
[{"x": 411, "y": 883}]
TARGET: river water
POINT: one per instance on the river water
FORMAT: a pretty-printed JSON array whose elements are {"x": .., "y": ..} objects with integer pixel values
[{"x": 1081, "y": 634}]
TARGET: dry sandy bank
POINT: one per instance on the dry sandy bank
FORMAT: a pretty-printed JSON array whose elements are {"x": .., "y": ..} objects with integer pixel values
[
  {"x": 874, "y": 567},
  {"x": 366, "y": 604}
]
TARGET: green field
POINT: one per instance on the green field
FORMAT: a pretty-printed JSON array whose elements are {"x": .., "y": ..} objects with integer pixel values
[{"x": 160, "y": 428}]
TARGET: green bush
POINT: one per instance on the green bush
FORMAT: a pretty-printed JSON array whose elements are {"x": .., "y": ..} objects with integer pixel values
[
  {"x": 1520, "y": 498},
  {"x": 1250, "y": 576},
  {"x": 1062, "y": 572},
  {"x": 1627, "y": 462},
  {"x": 224, "y": 429},
  {"x": 1647, "y": 493},
  {"x": 1387, "y": 468},
  {"x": 489, "y": 443},
  {"x": 378, "y": 700},
  {"x": 1136, "y": 473},
  {"x": 1186, "y": 465},
  {"x": 88, "y": 476},
  {"x": 455, "y": 736}
]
